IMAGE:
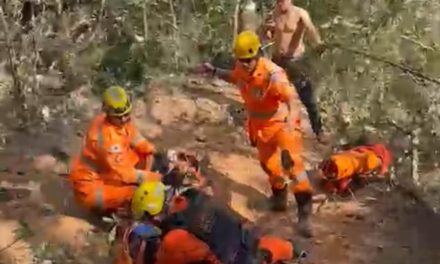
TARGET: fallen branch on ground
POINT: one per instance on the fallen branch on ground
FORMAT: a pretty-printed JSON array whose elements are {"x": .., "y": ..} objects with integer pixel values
[{"x": 10, "y": 244}]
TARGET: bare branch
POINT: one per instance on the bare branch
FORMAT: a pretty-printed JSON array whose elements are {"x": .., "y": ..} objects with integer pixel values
[
  {"x": 236, "y": 19},
  {"x": 175, "y": 27},
  {"x": 386, "y": 61},
  {"x": 35, "y": 52},
  {"x": 11, "y": 57},
  {"x": 145, "y": 20},
  {"x": 176, "y": 33},
  {"x": 420, "y": 44}
]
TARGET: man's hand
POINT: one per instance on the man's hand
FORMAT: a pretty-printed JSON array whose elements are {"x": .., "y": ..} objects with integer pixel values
[
  {"x": 268, "y": 29},
  {"x": 269, "y": 22},
  {"x": 204, "y": 68},
  {"x": 322, "y": 138},
  {"x": 320, "y": 48}
]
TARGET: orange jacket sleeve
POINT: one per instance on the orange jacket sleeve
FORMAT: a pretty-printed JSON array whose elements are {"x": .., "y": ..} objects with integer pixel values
[
  {"x": 128, "y": 175},
  {"x": 112, "y": 161},
  {"x": 139, "y": 143},
  {"x": 235, "y": 74},
  {"x": 281, "y": 88},
  {"x": 181, "y": 247}
]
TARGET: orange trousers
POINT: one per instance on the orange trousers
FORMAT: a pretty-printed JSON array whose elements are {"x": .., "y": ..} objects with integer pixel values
[
  {"x": 269, "y": 154},
  {"x": 97, "y": 195}
]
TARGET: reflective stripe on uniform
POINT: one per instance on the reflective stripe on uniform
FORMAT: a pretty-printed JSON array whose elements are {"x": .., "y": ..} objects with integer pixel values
[
  {"x": 139, "y": 176},
  {"x": 86, "y": 160},
  {"x": 99, "y": 198},
  {"x": 100, "y": 137},
  {"x": 136, "y": 140},
  {"x": 302, "y": 177}
]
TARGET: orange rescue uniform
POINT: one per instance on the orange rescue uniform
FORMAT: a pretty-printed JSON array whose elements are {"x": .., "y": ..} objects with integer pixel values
[
  {"x": 266, "y": 93},
  {"x": 179, "y": 246},
  {"x": 104, "y": 174},
  {"x": 362, "y": 160}
]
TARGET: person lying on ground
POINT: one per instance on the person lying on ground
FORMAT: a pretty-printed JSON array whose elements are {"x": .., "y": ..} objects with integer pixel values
[
  {"x": 273, "y": 122},
  {"x": 196, "y": 229},
  {"x": 342, "y": 169},
  {"x": 114, "y": 157}
]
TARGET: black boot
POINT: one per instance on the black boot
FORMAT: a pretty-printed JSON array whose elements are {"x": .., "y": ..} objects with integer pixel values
[
  {"x": 305, "y": 207},
  {"x": 279, "y": 199}
]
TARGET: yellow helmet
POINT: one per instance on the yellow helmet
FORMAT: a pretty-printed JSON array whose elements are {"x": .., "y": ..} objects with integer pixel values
[
  {"x": 116, "y": 101},
  {"x": 247, "y": 44},
  {"x": 149, "y": 198}
]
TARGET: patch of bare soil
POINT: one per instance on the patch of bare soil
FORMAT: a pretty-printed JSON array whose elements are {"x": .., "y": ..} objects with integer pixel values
[{"x": 377, "y": 226}]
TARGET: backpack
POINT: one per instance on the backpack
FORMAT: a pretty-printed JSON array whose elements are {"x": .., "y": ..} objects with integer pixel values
[{"x": 218, "y": 226}]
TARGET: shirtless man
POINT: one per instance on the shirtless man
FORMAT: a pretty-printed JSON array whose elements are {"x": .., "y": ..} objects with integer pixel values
[{"x": 287, "y": 29}]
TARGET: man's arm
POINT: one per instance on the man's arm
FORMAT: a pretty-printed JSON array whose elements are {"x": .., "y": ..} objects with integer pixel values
[
  {"x": 222, "y": 74},
  {"x": 311, "y": 31},
  {"x": 140, "y": 144},
  {"x": 267, "y": 29}
]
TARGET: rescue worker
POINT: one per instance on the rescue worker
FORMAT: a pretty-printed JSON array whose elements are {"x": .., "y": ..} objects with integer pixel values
[
  {"x": 340, "y": 169},
  {"x": 113, "y": 158},
  {"x": 286, "y": 27},
  {"x": 189, "y": 233},
  {"x": 273, "y": 122}
]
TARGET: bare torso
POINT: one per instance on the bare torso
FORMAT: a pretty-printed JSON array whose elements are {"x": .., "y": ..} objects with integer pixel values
[{"x": 289, "y": 33}]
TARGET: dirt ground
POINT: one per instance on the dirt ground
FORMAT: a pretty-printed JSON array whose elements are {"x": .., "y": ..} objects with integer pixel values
[{"x": 40, "y": 222}]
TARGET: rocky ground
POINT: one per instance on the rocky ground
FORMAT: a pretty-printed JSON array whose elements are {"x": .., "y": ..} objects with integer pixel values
[{"x": 40, "y": 223}]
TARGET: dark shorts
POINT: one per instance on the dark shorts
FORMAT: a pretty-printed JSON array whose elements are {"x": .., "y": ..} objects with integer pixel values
[{"x": 298, "y": 70}]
